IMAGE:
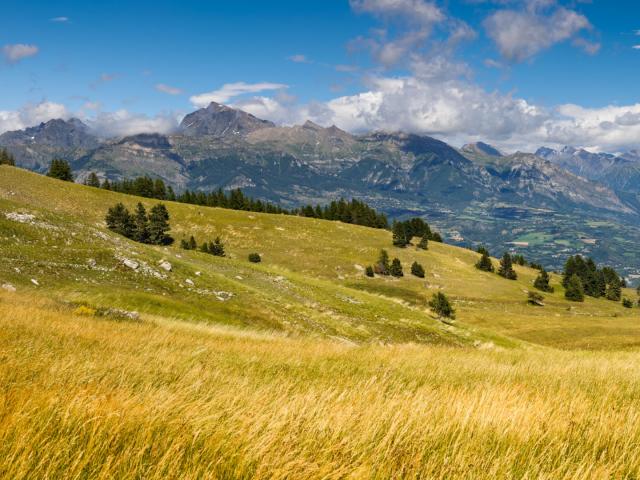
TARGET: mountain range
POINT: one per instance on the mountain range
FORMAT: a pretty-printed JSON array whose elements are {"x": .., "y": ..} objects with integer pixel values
[{"x": 545, "y": 204}]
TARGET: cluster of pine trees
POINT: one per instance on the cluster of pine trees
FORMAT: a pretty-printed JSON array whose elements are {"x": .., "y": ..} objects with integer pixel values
[
  {"x": 61, "y": 170},
  {"x": 353, "y": 212},
  {"x": 6, "y": 158},
  {"x": 143, "y": 228},
  {"x": 583, "y": 277},
  {"x": 215, "y": 248},
  {"x": 505, "y": 269},
  {"x": 403, "y": 233}
]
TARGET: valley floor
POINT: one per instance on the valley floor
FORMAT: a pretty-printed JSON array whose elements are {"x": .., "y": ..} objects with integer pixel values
[{"x": 92, "y": 397}]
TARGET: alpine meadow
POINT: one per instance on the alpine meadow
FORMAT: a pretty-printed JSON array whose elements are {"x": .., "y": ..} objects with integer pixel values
[{"x": 361, "y": 239}]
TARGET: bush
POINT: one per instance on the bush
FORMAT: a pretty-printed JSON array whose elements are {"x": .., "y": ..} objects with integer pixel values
[
  {"x": 255, "y": 258},
  {"x": 627, "y": 303},
  {"x": 441, "y": 306},
  {"x": 534, "y": 298},
  {"x": 369, "y": 271},
  {"x": 417, "y": 270}
]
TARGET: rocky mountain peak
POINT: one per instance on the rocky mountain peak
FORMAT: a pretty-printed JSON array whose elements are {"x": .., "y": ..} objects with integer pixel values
[
  {"x": 220, "y": 121},
  {"x": 481, "y": 148}
]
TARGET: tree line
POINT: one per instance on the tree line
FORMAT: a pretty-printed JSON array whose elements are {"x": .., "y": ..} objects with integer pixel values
[
  {"x": 141, "y": 227},
  {"x": 6, "y": 158}
]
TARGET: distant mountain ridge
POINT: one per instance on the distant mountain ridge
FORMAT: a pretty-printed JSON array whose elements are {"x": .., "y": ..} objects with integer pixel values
[{"x": 476, "y": 191}]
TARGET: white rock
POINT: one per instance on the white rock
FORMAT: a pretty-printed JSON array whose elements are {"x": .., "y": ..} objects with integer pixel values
[
  {"x": 35, "y": 282},
  {"x": 188, "y": 281},
  {"x": 132, "y": 264},
  {"x": 238, "y": 277},
  {"x": 165, "y": 265},
  {"x": 20, "y": 217},
  {"x": 198, "y": 274},
  {"x": 8, "y": 287},
  {"x": 92, "y": 262}
]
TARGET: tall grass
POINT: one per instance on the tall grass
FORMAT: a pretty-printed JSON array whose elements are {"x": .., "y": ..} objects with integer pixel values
[{"x": 84, "y": 397}]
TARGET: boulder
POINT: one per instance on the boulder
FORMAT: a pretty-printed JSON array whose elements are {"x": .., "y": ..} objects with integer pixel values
[
  {"x": 165, "y": 265},
  {"x": 8, "y": 287}
]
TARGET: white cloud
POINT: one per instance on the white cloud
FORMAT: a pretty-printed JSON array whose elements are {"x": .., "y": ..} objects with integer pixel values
[
  {"x": 168, "y": 89},
  {"x": 520, "y": 34},
  {"x": 60, "y": 19},
  {"x": 19, "y": 51},
  {"x": 299, "y": 58},
  {"x": 232, "y": 90},
  {"x": 422, "y": 12},
  {"x": 31, "y": 114},
  {"x": 636, "y": 47},
  {"x": 123, "y": 123}
]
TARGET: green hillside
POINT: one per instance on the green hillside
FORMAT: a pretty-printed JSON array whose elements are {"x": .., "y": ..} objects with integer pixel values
[{"x": 311, "y": 281}]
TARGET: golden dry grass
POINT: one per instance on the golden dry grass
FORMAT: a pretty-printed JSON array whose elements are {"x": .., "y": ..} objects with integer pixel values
[{"x": 87, "y": 397}]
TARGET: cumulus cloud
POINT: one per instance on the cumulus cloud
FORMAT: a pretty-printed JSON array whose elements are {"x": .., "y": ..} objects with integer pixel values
[
  {"x": 19, "y": 51},
  {"x": 232, "y": 90},
  {"x": 425, "y": 13},
  {"x": 123, "y": 123},
  {"x": 168, "y": 89},
  {"x": 522, "y": 33},
  {"x": 31, "y": 114}
]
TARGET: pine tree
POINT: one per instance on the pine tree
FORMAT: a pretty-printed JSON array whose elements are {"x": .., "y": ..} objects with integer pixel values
[
  {"x": 159, "y": 225},
  {"x": 424, "y": 242},
  {"x": 383, "y": 266},
  {"x": 399, "y": 235},
  {"x": 141, "y": 224},
  {"x": 506, "y": 268},
  {"x": 574, "y": 290},
  {"x": 614, "y": 291},
  {"x": 482, "y": 250},
  {"x": 485, "y": 264},
  {"x": 436, "y": 237},
  {"x": 119, "y": 220},
  {"x": 627, "y": 303},
  {"x": 6, "y": 158},
  {"x": 61, "y": 170},
  {"x": 369, "y": 271},
  {"x": 204, "y": 248},
  {"x": 396, "y": 268},
  {"x": 92, "y": 180},
  {"x": 216, "y": 248},
  {"x": 440, "y": 304},
  {"x": 184, "y": 244},
  {"x": 542, "y": 282},
  {"x": 106, "y": 184},
  {"x": 417, "y": 270},
  {"x": 193, "y": 245}
]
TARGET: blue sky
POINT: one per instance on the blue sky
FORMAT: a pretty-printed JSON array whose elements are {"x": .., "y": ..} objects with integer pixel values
[{"x": 517, "y": 73}]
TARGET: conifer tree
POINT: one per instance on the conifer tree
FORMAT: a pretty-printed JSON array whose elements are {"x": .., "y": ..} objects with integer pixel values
[
  {"x": 399, "y": 235},
  {"x": 482, "y": 250},
  {"x": 159, "y": 225},
  {"x": 542, "y": 282},
  {"x": 92, "y": 180},
  {"x": 383, "y": 266},
  {"x": 424, "y": 242},
  {"x": 119, "y": 220},
  {"x": 627, "y": 303},
  {"x": 192, "y": 243},
  {"x": 216, "y": 248},
  {"x": 506, "y": 268},
  {"x": 369, "y": 271},
  {"x": 106, "y": 184},
  {"x": 61, "y": 170},
  {"x": 574, "y": 289},
  {"x": 141, "y": 224},
  {"x": 204, "y": 248},
  {"x": 440, "y": 304},
  {"x": 417, "y": 270},
  {"x": 6, "y": 158},
  {"x": 184, "y": 244},
  {"x": 485, "y": 264},
  {"x": 396, "y": 268},
  {"x": 614, "y": 291}
]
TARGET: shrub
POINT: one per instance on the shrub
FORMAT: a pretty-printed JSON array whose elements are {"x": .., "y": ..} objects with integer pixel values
[
  {"x": 255, "y": 258},
  {"x": 534, "y": 298},
  {"x": 627, "y": 303},
  {"x": 369, "y": 271},
  {"x": 441, "y": 306},
  {"x": 417, "y": 270},
  {"x": 424, "y": 242}
]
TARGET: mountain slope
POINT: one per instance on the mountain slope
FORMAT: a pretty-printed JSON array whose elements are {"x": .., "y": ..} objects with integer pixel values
[{"x": 311, "y": 281}]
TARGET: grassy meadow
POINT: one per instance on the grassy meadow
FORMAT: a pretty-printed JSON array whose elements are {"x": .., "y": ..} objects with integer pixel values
[{"x": 297, "y": 367}]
